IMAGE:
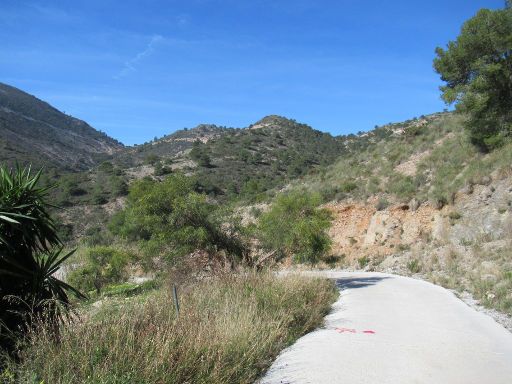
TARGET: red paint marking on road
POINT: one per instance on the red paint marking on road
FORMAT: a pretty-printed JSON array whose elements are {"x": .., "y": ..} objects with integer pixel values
[{"x": 352, "y": 330}]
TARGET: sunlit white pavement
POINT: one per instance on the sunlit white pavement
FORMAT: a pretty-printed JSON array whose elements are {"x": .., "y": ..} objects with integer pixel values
[{"x": 391, "y": 329}]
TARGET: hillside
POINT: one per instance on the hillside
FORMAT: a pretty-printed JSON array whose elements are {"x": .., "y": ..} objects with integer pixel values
[
  {"x": 170, "y": 146},
  {"x": 417, "y": 198},
  {"x": 399, "y": 162},
  {"x": 414, "y": 198},
  {"x": 32, "y": 131},
  {"x": 234, "y": 162},
  {"x": 227, "y": 163}
]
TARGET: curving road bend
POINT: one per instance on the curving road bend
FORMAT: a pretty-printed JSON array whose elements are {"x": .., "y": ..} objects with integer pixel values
[{"x": 391, "y": 329}]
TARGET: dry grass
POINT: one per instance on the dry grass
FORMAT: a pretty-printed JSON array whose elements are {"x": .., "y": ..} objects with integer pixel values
[
  {"x": 228, "y": 331},
  {"x": 490, "y": 278},
  {"x": 484, "y": 271}
]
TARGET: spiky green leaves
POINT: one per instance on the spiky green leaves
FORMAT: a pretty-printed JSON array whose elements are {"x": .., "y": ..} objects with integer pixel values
[{"x": 30, "y": 254}]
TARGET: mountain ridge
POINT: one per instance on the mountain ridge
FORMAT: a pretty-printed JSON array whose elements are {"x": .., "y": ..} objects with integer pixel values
[{"x": 33, "y": 131}]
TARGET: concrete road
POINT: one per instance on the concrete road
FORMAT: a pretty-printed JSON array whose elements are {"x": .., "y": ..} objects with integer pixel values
[{"x": 391, "y": 329}]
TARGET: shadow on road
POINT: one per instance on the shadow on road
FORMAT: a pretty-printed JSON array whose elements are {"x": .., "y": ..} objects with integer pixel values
[{"x": 358, "y": 282}]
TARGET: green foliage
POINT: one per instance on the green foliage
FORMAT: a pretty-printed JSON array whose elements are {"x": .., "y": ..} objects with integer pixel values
[
  {"x": 381, "y": 204},
  {"x": 295, "y": 226},
  {"x": 248, "y": 163},
  {"x": 171, "y": 218},
  {"x": 96, "y": 187},
  {"x": 161, "y": 170},
  {"x": 106, "y": 167},
  {"x": 103, "y": 266},
  {"x": 402, "y": 186},
  {"x": 363, "y": 261},
  {"x": 477, "y": 69},
  {"x": 151, "y": 159},
  {"x": 348, "y": 186},
  {"x": 199, "y": 153},
  {"x": 413, "y": 130},
  {"x": 229, "y": 330},
  {"x": 414, "y": 266},
  {"x": 131, "y": 289},
  {"x": 30, "y": 253}
]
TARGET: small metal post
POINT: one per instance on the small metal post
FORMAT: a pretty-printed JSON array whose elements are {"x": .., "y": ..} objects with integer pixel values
[{"x": 175, "y": 298}]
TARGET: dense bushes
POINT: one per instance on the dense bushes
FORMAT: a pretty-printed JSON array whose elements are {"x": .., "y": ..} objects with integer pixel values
[
  {"x": 199, "y": 153},
  {"x": 95, "y": 187},
  {"x": 295, "y": 226},
  {"x": 102, "y": 266},
  {"x": 171, "y": 219}
]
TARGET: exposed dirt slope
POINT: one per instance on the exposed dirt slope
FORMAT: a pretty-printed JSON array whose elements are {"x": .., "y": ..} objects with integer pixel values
[{"x": 466, "y": 245}]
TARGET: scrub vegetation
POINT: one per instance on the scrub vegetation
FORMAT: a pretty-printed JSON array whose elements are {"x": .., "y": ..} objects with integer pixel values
[
  {"x": 228, "y": 330},
  {"x": 209, "y": 208}
]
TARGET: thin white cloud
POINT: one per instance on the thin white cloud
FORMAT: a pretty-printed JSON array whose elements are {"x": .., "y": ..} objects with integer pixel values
[
  {"x": 131, "y": 65},
  {"x": 52, "y": 13}
]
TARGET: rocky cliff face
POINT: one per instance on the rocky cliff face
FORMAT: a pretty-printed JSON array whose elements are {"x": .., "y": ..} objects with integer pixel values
[
  {"x": 466, "y": 245},
  {"x": 361, "y": 230},
  {"x": 479, "y": 214}
]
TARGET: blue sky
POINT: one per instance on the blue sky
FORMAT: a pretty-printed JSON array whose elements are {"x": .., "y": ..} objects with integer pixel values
[{"x": 140, "y": 69}]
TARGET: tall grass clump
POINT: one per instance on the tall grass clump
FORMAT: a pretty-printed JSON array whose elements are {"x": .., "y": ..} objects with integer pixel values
[{"x": 229, "y": 330}]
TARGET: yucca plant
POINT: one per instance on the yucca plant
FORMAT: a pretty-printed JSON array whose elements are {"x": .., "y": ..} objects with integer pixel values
[{"x": 30, "y": 253}]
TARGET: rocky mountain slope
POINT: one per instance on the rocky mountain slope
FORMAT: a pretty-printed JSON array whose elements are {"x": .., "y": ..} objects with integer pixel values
[
  {"x": 234, "y": 162},
  {"x": 227, "y": 163},
  {"x": 32, "y": 131},
  {"x": 268, "y": 154},
  {"x": 169, "y": 147},
  {"x": 417, "y": 198},
  {"x": 466, "y": 245},
  {"x": 414, "y": 197}
]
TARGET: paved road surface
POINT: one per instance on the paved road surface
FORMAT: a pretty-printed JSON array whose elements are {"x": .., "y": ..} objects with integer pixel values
[{"x": 391, "y": 329}]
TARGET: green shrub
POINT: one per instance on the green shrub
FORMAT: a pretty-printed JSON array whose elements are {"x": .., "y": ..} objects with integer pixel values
[
  {"x": 199, "y": 153},
  {"x": 403, "y": 247},
  {"x": 402, "y": 186},
  {"x": 119, "y": 186},
  {"x": 171, "y": 219},
  {"x": 382, "y": 204},
  {"x": 161, "y": 170},
  {"x": 363, "y": 261},
  {"x": 295, "y": 226},
  {"x": 151, "y": 159},
  {"x": 413, "y": 130},
  {"x": 414, "y": 266},
  {"x": 454, "y": 215},
  {"x": 103, "y": 266},
  {"x": 348, "y": 187}
]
